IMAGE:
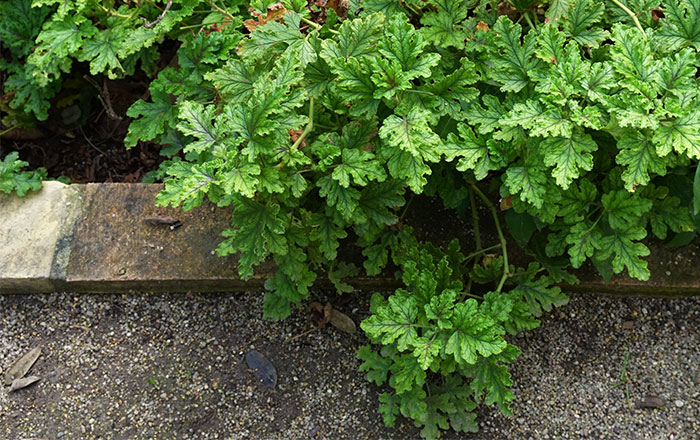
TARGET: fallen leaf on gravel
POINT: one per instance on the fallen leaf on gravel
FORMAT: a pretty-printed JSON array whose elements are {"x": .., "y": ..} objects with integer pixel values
[
  {"x": 323, "y": 310},
  {"x": 163, "y": 220},
  {"x": 22, "y": 366},
  {"x": 650, "y": 402},
  {"x": 160, "y": 220},
  {"x": 262, "y": 367},
  {"x": 18, "y": 384},
  {"x": 341, "y": 321}
]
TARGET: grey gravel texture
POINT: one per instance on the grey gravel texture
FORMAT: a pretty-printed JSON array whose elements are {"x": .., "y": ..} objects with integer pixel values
[{"x": 140, "y": 366}]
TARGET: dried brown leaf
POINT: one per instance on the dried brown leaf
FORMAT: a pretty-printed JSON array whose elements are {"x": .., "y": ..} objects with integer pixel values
[
  {"x": 343, "y": 322},
  {"x": 24, "y": 382},
  {"x": 650, "y": 402},
  {"x": 22, "y": 366}
]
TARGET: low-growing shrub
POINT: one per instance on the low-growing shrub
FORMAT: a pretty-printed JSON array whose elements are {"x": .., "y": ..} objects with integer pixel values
[{"x": 320, "y": 120}]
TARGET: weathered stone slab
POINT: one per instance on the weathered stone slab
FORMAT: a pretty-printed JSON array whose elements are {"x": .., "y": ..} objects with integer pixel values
[
  {"x": 112, "y": 238},
  {"x": 117, "y": 246},
  {"x": 674, "y": 272},
  {"x": 35, "y": 236}
]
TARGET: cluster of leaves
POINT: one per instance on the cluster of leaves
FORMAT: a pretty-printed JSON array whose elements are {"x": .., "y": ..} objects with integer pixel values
[
  {"x": 318, "y": 121},
  {"x": 443, "y": 348},
  {"x": 592, "y": 108},
  {"x": 14, "y": 178},
  {"x": 43, "y": 38},
  {"x": 294, "y": 140}
]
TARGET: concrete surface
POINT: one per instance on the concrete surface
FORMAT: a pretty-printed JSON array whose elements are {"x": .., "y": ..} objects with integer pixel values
[
  {"x": 35, "y": 236},
  {"x": 96, "y": 238}
]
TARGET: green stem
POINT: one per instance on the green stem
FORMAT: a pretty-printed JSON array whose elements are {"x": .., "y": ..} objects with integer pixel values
[
  {"x": 309, "y": 22},
  {"x": 501, "y": 237},
  {"x": 594, "y": 224},
  {"x": 412, "y": 9},
  {"x": 222, "y": 11},
  {"x": 405, "y": 209},
  {"x": 154, "y": 5},
  {"x": 309, "y": 126},
  {"x": 631, "y": 14},
  {"x": 192, "y": 26},
  {"x": 529, "y": 22},
  {"x": 7, "y": 130},
  {"x": 475, "y": 219},
  {"x": 481, "y": 251},
  {"x": 326, "y": 127},
  {"x": 113, "y": 13},
  {"x": 317, "y": 26},
  {"x": 527, "y": 273},
  {"x": 477, "y": 234},
  {"x": 470, "y": 295}
]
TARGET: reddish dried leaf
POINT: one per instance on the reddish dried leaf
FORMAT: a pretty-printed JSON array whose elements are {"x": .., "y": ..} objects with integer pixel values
[
  {"x": 275, "y": 12},
  {"x": 482, "y": 26},
  {"x": 506, "y": 203}
]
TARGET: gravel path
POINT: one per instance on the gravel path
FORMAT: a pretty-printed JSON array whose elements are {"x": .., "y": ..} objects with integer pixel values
[{"x": 172, "y": 367}]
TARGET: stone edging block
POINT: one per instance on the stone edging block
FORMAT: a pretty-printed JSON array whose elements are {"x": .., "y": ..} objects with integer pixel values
[{"x": 102, "y": 238}]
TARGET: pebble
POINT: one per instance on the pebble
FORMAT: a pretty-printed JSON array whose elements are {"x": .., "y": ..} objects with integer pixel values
[{"x": 563, "y": 380}]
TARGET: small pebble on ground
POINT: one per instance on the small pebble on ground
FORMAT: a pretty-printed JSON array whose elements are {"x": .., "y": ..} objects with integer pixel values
[{"x": 145, "y": 366}]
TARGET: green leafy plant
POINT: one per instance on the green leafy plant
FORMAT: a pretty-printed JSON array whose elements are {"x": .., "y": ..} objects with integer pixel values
[
  {"x": 323, "y": 121},
  {"x": 13, "y": 178},
  {"x": 623, "y": 379},
  {"x": 300, "y": 166},
  {"x": 43, "y": 41},
  {"x": 442, "y": 348},
  {"x": 44, "y": 38}
]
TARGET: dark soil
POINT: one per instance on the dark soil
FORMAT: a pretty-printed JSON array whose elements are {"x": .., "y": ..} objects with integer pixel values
[{"x": 83, "y": 139}]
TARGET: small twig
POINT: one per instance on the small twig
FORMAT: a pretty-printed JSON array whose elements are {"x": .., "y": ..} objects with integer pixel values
[
  {"x": 103, "y": 96},
  {"x": 149, "y": 25},
  {"x": 305, "y": 333},
  {"x": 91, "y": 144}
]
